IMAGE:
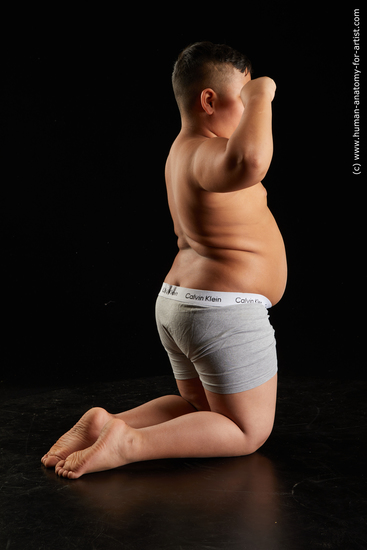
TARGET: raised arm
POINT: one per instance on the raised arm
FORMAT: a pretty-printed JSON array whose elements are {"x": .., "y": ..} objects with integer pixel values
[{"x": 222, "y": 165}]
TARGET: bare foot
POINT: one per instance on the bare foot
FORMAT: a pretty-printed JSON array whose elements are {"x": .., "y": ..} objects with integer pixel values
[
  {"x": 109, "y": 451},
  {"x": 82, "y": 435}
]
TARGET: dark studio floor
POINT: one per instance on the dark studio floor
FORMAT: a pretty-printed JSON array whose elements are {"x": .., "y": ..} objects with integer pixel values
[{"x": 305, "y": 489}]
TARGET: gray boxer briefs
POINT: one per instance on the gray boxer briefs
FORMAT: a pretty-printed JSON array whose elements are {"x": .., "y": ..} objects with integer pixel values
[{"x": 230, "y": 348}]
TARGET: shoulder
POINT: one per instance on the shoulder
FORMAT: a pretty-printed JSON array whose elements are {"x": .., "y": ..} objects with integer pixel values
[
  {"x": 186, "y": 146},
  {"x": 182, "y": 155},
  {"x": 201, "y": 146}
]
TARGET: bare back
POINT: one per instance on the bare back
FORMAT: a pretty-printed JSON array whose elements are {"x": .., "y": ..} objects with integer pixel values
[{"x": 227, "y": 241}]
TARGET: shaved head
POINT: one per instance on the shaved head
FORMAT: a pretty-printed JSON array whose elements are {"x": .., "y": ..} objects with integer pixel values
[{"x": 205, "y": 65}]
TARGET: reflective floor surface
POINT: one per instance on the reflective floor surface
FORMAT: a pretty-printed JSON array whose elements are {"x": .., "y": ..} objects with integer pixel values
[{"x": 305, "y": 488}]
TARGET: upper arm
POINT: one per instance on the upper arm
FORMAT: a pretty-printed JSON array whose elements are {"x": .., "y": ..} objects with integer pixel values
[{"x": 216, "y": 170}]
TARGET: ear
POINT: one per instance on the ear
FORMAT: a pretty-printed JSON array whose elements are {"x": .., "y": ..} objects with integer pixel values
[{"x": 207, "y": 99}]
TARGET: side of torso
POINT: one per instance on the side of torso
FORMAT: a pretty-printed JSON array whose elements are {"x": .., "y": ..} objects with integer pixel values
[{"x": 227, "y": 241}]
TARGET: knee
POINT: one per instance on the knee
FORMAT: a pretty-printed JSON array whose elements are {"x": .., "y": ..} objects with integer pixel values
[{"x": 255, "y": 440}]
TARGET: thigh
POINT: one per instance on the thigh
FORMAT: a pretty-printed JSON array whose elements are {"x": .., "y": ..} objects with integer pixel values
[
  {"x": 234, "y": 349},
  {"x": 167, "y": 322},
  {"x": 252, "y": 410}
]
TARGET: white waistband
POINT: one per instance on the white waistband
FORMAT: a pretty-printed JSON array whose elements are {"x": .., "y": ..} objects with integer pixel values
[{"x": 208, "y": 298}]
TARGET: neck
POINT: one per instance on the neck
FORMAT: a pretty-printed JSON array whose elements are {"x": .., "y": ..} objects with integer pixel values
[{"x": 196, "y": 127}]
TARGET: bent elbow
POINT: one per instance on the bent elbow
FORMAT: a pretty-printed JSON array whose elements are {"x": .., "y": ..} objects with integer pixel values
[
  {"x": 258, "y": 164},
  {"x": 251, "y": 170}
]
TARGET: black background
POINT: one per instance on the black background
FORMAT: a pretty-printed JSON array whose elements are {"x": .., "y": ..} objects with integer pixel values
[{"x": 89, "y": 119}]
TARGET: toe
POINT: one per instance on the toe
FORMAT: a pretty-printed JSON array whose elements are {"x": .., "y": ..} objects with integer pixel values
[
  {"x": 49, "y": 461},
  {"x": 59, "y": 467}
]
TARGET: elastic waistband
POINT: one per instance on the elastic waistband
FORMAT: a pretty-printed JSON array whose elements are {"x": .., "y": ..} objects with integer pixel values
[{"x": 209, "y": 298}]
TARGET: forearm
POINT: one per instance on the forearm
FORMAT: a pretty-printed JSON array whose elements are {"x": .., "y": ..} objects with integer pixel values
[{"x": 252, "y": 142}]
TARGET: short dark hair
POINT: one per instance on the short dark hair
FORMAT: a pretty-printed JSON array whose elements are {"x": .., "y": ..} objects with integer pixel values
[{"x": 197, "y": 67}]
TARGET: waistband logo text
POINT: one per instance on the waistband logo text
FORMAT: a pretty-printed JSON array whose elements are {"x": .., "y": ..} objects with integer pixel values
[
  {"x": 199, "y": 298},
  {"x": 171, "y": 291},
  {"x": 247, "y": 301}
]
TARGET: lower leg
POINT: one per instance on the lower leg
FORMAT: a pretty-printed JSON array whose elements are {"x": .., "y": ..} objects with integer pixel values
[
  {"x": 200, "y": 434},
  {"x": 157, "y": 411},
  {"x": 87, "y": 430}
]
